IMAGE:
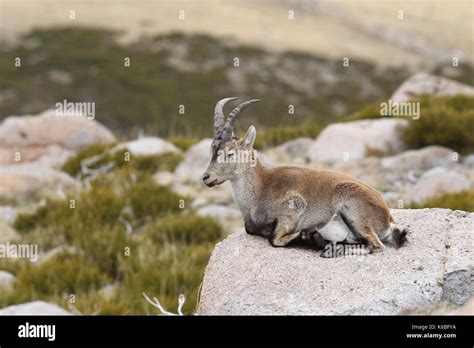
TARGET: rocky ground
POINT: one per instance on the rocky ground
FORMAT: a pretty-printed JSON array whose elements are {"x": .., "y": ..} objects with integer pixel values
[{"x": 245, "y": 275}]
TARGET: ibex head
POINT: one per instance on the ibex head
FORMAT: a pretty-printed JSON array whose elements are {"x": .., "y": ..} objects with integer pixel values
[{"x": 229, "y": 155}]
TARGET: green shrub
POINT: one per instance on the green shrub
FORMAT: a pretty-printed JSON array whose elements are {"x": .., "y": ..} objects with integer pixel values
[
  {"x": 456, "y": 201},
  {"x": 446, "y": 121},
  {"x": 121, "y": 158},
  {"x": 371, "y": 111},
  {"x": 73, "y": 164},
  {"x": 165, "y": 271},
  {"x": 63, "y": 273},
  {"x": 148, "y": 199},
  {"x": 151, "y": 164},
  {"x": 92, "y": 207},
  {"x": 189, "y": 229}
]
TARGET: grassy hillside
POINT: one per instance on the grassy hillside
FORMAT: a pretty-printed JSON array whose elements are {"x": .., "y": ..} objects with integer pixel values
[{"x": 175, "y": 69}]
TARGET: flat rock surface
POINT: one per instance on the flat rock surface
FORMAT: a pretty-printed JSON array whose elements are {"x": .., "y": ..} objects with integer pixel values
[
  {"x": 247, "y": 276},
  {"x": 34, "y": 308}
]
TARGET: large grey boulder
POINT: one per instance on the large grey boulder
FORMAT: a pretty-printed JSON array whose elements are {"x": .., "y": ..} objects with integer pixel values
[
  {"x": 245, "y": 275},
  {"x": 436, "y": 182},
  {"x": 425, "y": 84},
  {"x": 349, "y": 141},
  {"x": 48, "y": 139},
  {"x": 32, "y": 181},
  {"x": 292, "y": 151},
  {"x": 34, "y": 308},
  {"x": 421, "y": 159},
  {"x": 194, "y": 163}
]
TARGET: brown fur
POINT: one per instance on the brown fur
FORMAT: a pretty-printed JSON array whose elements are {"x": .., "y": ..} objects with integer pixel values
[{"x": 285, "y": 203}]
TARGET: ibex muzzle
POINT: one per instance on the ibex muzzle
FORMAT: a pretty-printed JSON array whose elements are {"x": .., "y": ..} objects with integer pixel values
[{"x": 284, "y": 203}]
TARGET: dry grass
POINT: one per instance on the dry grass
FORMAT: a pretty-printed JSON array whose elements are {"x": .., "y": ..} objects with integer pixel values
[{"x": 365, "y": 30}]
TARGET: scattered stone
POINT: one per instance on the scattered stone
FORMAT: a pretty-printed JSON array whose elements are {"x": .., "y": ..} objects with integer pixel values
[
  {"x": 194, "y": 163},
  {"x": 164, "y": 178},
  {"x": 350, "y": 141},
  {"x": 436, "y": 182},
  {"x": 422, "y": 159},
  {"x": 32, "y": 182},
  {"x": 48, "y": 139},
  {"x": 293, "y": 151},
  {"x": 147, "y": 146},
  {"x": 8, "y": 214},
  {"x": 108, "y": 291},
  {"x": 227, "y": 217},
  {"x": 425, "y": 84},
  {"x": 34, "y": 308},
  {"x": 6, "y": 280},
  {"x": 468, "y": 161}
]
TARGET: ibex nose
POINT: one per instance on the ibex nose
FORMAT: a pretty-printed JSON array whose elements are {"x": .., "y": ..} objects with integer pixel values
[{"x": 205, "y": 177}]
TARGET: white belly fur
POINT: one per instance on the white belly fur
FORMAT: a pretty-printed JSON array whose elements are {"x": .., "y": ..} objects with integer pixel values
[{"x": 337, "y": 231}]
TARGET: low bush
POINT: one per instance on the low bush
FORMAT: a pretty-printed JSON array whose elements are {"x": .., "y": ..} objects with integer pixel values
[
  {"x": 456, "y": 201},
  {"x": 445, "y": 121},
  {"x": 188, "y": 229},
  {"x": 62, "y": 274},
  {"x": 121, "y": 158}
]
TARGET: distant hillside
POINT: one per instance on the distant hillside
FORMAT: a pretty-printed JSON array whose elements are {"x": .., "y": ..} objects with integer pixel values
[
  {"x": 429, "y": 32},
  {"x": 177, "y": 69}
]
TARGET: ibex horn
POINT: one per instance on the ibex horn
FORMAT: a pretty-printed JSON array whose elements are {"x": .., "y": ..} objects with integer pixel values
[
  {"x": 219, "y": 119},
  {"x": 229, "y": 124}
]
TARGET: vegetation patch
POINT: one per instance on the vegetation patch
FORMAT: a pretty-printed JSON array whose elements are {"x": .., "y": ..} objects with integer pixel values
[
  {"x": 278, "y": 135},
  {"x": 174, "y": 69},
  {"x": 99, "y": 155},
  {"x": 456, "y": 201},
  {"x": 124, "y": 233},
  {"x": 445, "y": 121}
]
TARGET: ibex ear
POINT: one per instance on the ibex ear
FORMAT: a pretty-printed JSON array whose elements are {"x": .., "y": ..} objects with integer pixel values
[{"x": 249, "y": 137}]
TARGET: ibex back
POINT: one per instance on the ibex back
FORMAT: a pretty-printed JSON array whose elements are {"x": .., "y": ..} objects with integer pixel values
[{"x": 283, "y": 203}]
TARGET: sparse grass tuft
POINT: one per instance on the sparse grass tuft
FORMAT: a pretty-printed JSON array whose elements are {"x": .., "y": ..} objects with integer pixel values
[
  {"x": 187, "y": 229},
  {"x": 456, "y": 201},
  {"x": 121, "y": 158},
  {"x": 62, "y": 274},
  {"x": 278, "y": 135}
]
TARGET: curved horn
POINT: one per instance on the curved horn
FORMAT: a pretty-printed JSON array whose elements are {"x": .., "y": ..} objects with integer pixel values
[
  {"x": 219, "y": 119},
  {"x": 229, "y": 125}
]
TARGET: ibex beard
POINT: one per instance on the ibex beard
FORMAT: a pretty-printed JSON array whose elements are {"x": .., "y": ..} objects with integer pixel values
[{"x": 285, "y": 203}]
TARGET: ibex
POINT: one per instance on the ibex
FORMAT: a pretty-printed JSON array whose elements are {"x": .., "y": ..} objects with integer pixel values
[{"x": 283, "y": 203}]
